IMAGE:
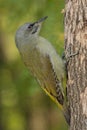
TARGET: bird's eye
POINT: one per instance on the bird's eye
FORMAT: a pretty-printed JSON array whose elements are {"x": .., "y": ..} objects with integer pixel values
[{"x": 30, "y": 26}]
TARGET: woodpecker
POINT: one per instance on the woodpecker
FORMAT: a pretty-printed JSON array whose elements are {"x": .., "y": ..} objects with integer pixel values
[{"x": 44, "y": 63}]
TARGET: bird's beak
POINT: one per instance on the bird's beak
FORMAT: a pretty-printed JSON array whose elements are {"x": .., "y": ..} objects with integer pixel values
[
  {"x": 42, "y": 19},
  {"x": 37, "y": 25}
]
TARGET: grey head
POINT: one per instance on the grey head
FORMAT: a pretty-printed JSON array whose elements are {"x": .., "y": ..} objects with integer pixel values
[{"x": 28, "y": 31}]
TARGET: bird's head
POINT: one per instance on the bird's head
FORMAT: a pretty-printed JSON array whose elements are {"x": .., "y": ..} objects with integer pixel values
[{"x": 28, "y": 30}]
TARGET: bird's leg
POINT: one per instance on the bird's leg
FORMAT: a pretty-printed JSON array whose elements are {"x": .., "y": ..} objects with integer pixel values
[{"x": 69, "y": 55}]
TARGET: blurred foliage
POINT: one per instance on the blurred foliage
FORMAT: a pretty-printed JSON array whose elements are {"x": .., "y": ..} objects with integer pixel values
[{"x": 23, "y": 105}]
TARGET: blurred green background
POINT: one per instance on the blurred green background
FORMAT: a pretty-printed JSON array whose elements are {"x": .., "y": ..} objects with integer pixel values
[{"x": 23, "y": 104}]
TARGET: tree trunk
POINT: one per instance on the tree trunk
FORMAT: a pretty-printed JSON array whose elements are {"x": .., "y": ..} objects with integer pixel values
[{"x": 76, "y": 41}]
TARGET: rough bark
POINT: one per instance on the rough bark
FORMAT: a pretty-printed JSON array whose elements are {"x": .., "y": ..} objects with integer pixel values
[{"x": 76, "y": 41}]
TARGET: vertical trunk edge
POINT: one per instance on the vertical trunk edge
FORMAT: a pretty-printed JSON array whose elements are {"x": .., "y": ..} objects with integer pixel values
[{"x": 76, "y": 40}]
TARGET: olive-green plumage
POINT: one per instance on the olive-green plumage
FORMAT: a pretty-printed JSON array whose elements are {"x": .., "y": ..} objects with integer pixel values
[{"x": 42, "y": 60}]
